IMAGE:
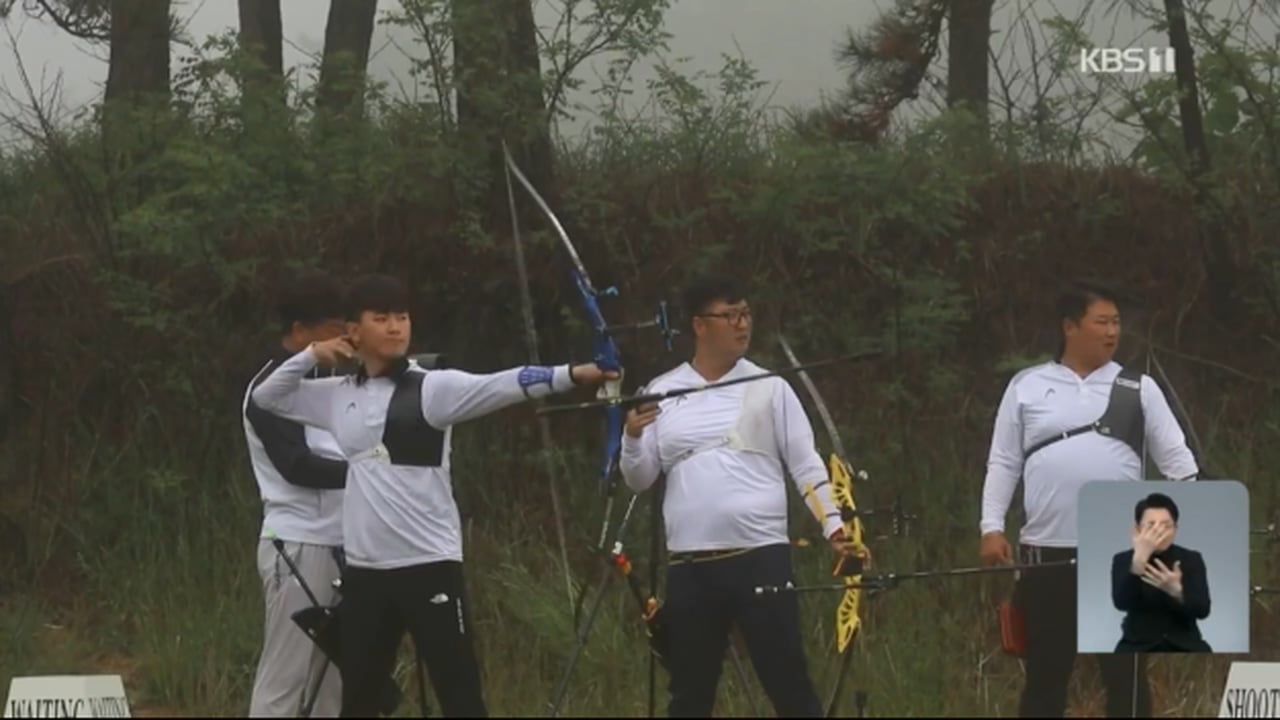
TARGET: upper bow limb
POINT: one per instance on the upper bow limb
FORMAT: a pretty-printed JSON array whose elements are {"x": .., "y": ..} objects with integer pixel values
[
  {"x": 794, "y": 435},
  {"x": 1165, "y": 440}
]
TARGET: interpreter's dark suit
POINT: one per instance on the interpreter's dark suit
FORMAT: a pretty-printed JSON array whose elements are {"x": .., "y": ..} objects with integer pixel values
[{"x": 1154, "y": 621}]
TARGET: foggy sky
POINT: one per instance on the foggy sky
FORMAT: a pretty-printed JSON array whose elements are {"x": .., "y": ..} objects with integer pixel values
[{"x": 791, "y": 42}]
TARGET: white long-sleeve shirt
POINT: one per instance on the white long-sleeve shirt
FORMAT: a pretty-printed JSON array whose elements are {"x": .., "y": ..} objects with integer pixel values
[
  {"x": 1047, "y": 400},
  {"x": 395, "y": 515},
  {"x": 724, "y": 497}
]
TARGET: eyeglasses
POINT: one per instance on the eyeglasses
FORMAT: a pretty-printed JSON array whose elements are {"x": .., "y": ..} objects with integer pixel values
[{"x": 733, "y": 317}]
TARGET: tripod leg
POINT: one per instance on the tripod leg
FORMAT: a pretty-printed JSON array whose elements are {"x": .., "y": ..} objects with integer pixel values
[
  {"x": 562, "y": 688},
  {"x": 309, "y": 701},
  {"x": 845, "y": 661},
  {"x": 655, "y": 528},
  {"x": 742, "y": 678},
  {"x": 653, "y": 671},
  {"x": 422, "y": 685}
]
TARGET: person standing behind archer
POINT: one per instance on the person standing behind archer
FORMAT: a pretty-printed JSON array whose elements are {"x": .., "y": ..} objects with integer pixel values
[
  {"x": 723, "y": 452},
  {"x": 301, "y": 475},
  {"x": 1061, "y": 424},
  {"x": 1163, "y": 588},
  {"x": 400, "y": 524}
]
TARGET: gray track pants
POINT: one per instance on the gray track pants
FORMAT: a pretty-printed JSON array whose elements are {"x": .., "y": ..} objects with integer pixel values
[{"x": 290, "y": 663}]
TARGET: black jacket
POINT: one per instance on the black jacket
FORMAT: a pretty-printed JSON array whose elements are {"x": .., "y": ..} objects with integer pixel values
[{"x": 1154, "y": 621}]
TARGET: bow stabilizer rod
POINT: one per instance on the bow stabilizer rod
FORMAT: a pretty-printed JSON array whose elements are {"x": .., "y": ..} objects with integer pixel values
[{"x": 888, "y": 580}]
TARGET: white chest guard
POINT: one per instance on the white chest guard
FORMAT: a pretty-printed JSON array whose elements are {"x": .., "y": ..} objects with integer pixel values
[{"x": 754, "y": 430}]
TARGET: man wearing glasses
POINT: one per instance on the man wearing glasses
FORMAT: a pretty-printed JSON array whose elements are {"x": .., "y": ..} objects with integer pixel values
[{"x": 723, "y": 453}]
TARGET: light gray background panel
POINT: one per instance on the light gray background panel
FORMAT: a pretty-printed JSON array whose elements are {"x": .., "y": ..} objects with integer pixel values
[{"x": 1213, "y": 520}]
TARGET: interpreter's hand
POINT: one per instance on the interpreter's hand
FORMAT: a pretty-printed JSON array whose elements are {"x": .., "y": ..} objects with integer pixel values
[
  {"x": 995, "y": 550},
  {"x": 1158, "y": 575},
  {"x": 1145, "y": 542},
  {"x": 591, "y": 374},
  {"x": 641, "y": 417},
  {"x": 334, "y": 351}
]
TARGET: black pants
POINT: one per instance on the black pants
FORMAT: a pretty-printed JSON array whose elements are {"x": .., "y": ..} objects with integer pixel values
[
  {"x": 1047, "y": 598},
  {"x": 705, "y": 598},
  {"x": 378, "y": 606}
]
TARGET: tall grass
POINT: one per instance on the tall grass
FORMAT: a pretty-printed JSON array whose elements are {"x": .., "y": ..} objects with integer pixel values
[{"x": 167, "y": 593}]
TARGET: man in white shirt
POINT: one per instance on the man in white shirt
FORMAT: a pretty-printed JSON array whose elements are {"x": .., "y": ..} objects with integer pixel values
[
  {"x": 394, "y": 422},
  {"x": 723, "y": 452},
  {"x": 1060, "y": 425},
  {"x": 301, "y": 475}
]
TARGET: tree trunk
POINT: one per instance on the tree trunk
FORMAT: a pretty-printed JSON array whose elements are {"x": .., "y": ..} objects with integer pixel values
[
  {"x": 968, "y": 33},
  {"x": 347, "y": 36},
  {"x": 8, "y": 368},
  {"x": 262, "y": 91},
  {"x": 497, "y": 75},
  {"x": 262, "y": 34},
  {"x": 531, "y": 138},
  {"x": 1214, "y": 239},
  {"x": 139, "y": 64},
  {"x": 477, "y": 61}
]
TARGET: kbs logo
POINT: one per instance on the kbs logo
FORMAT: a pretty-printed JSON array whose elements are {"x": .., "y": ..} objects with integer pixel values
[{"x": 1126, "y": 60}]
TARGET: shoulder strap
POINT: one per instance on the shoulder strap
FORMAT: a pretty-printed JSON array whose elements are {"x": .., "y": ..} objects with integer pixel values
[{"x": 1122, "y": 420}]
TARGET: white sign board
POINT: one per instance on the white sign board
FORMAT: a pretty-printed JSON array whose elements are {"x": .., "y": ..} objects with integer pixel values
[
  {"x": 67, "y": 696},
  {"x": 1253, "y": 691}
]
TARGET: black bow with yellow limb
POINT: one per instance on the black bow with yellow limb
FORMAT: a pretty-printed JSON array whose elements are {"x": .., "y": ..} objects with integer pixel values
[{"x": 849, "y": 567}]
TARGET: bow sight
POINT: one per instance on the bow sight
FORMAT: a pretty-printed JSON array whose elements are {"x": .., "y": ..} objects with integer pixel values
[{"x": 661, "y": 321}]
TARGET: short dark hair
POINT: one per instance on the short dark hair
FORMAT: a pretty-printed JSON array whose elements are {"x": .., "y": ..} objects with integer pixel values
[
  {"x": 376, "y": 293},
  {"x": 705, "y": 290},
  {"x": 1074, "y": 301},
  {"x": 1155, "y": 501},
  {"x": 310, "y": 298}
]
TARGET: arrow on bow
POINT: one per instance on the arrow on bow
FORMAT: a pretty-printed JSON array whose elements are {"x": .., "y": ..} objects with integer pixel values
[
  {"x": 884, "y": 581},
  {"x": 848, "y": 620},
  {"x": 642, "y": 398}
]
